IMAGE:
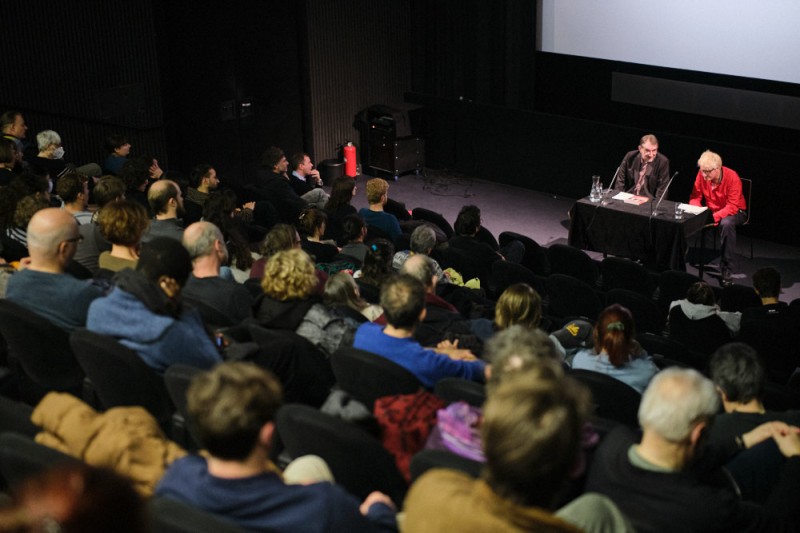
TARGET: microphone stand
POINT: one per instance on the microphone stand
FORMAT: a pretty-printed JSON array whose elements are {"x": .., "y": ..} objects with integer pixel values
[{"x": 654, "y": 210}]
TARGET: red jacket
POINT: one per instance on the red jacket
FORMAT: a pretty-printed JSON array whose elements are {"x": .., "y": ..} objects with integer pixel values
[{"x": 724, "y": 199}]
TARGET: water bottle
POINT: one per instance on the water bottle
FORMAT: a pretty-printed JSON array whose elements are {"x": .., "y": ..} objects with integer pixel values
[{"x": 597, "y": 190}]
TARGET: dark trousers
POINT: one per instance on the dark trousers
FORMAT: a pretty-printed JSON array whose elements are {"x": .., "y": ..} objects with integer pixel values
[{"x": 727, "y": 235}]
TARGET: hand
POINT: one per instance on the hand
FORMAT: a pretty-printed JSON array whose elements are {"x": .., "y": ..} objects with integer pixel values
[
  {"x": 249, "y": 205},
  {"x": 761, "y": 433},
  {"x": 155, "y": 170},
  {"x": 376, "y": 497},
  {"x": 458, "y": 355},
  {"x": 447, "y": 345},
  {"x": 315, "y": 176},
  {"x": 788, "y": 440}
]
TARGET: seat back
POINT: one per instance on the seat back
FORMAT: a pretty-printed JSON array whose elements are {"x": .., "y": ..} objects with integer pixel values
[
  {"x": 535, "y": 257},
  {"x": 620, "y": 273},
  {"x": 420, "y": 213},
  {"x": 462, "y": 263},
  {"x": 747, "y": 192},
  {"x": 565, "y": 259},
  {"x": 357, "y": 460},
  {"x": 484, "y": 235},
  {"x": 119, "y": 376},
  {"x": 506, "y": 273},
  {"x": 177, "y": 379},
  {"x": 457, "y": 389},
  {"x": 673, "y": 285},
  {"x": 612, "y": 398},
  {"x": 367, "y": 376},
  {"x": 571, "y": 297},
  {"x": 646, "y": 314},
  {"x": 22, "y": 457},
  {"x": 703, "y": 336},
  {"x": 738, "y": 298},
  {"x": 171, "y": 516},
  {"x": 40, "y": 351}
]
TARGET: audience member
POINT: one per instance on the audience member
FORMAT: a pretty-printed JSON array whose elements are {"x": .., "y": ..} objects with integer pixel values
[
  {"x": 616, "y": 351},
  {"x": 26, "y": 208},
  {"x": 480, "y": 254},
  {"x": 144, "y": 311},
  {"x": 220, "y": 210},
  {"x": 233, "y": 408},
  {"x": 13, "y": 128},
  {"x": 51, "y": 157},
  {"x": 44, "y": 287},
  {"x": 663, "y": 482},
  {"x": 108, "y": 189},
  {"x": 118, "y": 149},
  {"x": 697, "y": 322},
  {"x": 289, "y": 302},
  {"x": 272, "y": 184},
  {"x": 531, "y": 432},
  {"x": 354, "y": 231},
  {"x": 305, "y": 178},
  {"x": 403, "y": 302},
  {"x": 208, "y": 253},
  {"x": 774, "y": 328},
  {"x": 73, "y": 189},
  {"x": 342, "y": 192},
  {"x": 7, "y": 161},
  {"x": 202, "y": 181},
  {"x": 122, "y": 223},
  {"x": 343, "y": 298},
  {"x": 166, "y": 201},
  {"x": 311, "y": 225},
  {"x": 376, "y": 269},
  {"x": 739, "y": 376},
  {"x": 136, "y": 175},
  {"x": 423, "y": 241},
  {"x": 280, "y": 237},
  {"x": 374, "y": 215},
  {"x": 75, "y": 498}
]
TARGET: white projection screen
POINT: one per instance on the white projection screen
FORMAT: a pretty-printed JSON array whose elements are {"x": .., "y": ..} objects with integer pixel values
[{"x": 749, "y": 38}]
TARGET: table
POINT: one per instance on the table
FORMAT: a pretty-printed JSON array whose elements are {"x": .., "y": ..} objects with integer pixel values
[{"x": 628, "y": 230}]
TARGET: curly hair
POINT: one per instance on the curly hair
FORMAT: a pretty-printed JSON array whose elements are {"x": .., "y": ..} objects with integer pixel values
[
  {"x": 289, "y": 275},
  {"x": 123, "y": 222}
]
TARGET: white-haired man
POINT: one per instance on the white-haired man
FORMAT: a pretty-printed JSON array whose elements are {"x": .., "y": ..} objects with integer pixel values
[{"x": 665, "y": 482}]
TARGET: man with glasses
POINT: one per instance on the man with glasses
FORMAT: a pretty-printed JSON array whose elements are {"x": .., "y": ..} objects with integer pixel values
[
  {"x": 644, "y": 171},
  {"x": 721, "y": 190},
  {"x": 43, "y": 286}
]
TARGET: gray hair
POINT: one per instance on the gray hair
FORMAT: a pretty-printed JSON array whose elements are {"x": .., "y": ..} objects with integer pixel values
[
  {"x": 518, "y": 348},
  {"x": 201, "y": 243},
  {"x": 421, "y": 267},
  {"x": 675, "y": 401},
  {"x": 46, "y": 138},
  {"x": 423, "y": 239}
]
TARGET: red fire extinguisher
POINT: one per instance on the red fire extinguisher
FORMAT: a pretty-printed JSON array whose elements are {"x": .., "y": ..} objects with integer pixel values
[{"x": 350, "y": 160}]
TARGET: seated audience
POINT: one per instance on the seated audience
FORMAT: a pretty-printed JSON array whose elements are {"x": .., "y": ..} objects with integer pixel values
[
  {"x": 166, "y": 202},
  {"x": 305, "y": 178},
  {"x": 699, "y": 312},
  {"x": 663, "y": 482},
  {"x": 739, "y": 376},
  {"x": 108, "y": 189},
  {"x": 136, "y": 174},
  {"x": 220, "y": 210},
  {"x": 774, "y": 328},
  {"x": 118, "y": 149},
  {"x": 73, "y": 189},
  {"x": 354, "y": 231},
  {"x": 616, "y": 351},
  {"x": 376, "y": 269},
  {"x": 26, "y": 208},
  {"x": 423, "y": 240},
  {"x": 144, "y": 311},
  {"x": 122, "y": 224},
  {"x": 311, "y": 226},
  {"x": 208, "y": 253},
  {"x": 403, "y": 302},
  {"x": 338, "y": 206},
  {"x": 289, "y": 302},
  {"x": 531, "y": 432},
  {"x": 281, "y": 237},
  {"x": 481, "y": 254},
  {"x": 44, "y": 287},
  {"x": 272, "y": 184},
  {"x": 233, "y": 408},
  {"x": 374, "y": 215},
  {"x": 51, "y": 157},
  {"x": 343, "y": 298},
  {"x": 8, "y": 161}
]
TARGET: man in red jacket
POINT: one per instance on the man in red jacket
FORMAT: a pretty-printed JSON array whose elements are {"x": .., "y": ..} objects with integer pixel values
[{"x": 721, "y": 188}]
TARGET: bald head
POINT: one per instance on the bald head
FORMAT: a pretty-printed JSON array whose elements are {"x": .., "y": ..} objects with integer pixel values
[
  {"x": 164, "y": 196},
  {"x": 200, "y": 239},
  {"x": 421, "y": 267},
  {"x": 52, "y": 237}
]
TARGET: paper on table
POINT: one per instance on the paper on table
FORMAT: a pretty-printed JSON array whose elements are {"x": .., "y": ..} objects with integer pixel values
[
  {"x": 622, "y": 196},
  {"x": 693, "y": 209}
]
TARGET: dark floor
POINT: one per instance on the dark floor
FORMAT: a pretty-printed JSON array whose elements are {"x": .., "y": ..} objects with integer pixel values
[{"x": 544, "y": 217}]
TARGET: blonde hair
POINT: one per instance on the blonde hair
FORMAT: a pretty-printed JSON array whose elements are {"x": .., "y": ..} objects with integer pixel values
[
  {"x": 376, "y": 187},
  {"x": 289, "y": 275},
  {"x": 519, "y": 304},
  {"x": 709, "y": 159}
]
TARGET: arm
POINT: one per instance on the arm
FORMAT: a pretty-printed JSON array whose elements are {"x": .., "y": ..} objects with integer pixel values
[
  {"x": 696, "y": 198},
  {"x": 662, "y": 175},
  {"x": 622, "y": 173},
  {"x": 733, "y": 196}
]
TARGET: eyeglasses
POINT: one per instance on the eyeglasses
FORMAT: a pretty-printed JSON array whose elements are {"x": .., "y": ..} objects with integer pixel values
[{"x": 707, "y": 170}]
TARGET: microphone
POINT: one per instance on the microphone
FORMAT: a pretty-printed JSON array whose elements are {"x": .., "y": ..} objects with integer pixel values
[
  {"x": 654, "y": 211},
  {"x": 613, "y": 180}
]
